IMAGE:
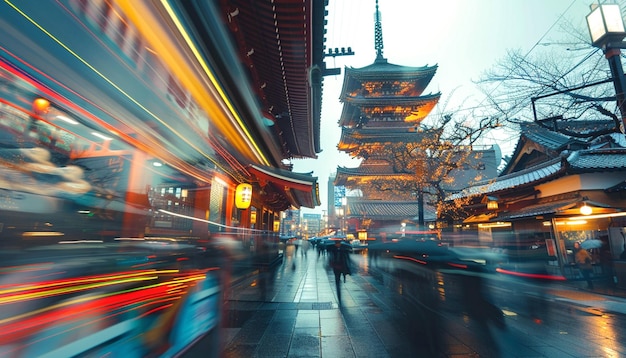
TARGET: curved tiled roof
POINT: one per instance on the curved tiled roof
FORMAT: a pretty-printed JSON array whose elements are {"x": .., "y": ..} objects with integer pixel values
[
  {"x": 281, "y": 43},
  {"x": 390, "y": 71},
  {"x": 376, "y": 101},
  {"x": 352, "y": 138},
  {"x": 594, "y": 160},
  {"x": 581, "y": 161},
  {"x": 533, "y": 175}
]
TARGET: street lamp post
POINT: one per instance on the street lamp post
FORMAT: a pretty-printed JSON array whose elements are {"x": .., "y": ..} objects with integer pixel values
[{"x": 606, "y": 28}]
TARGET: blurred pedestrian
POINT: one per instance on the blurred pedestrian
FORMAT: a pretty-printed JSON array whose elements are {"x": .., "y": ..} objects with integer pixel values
[
  {"x": 304, "y": 247},
  {"x": 583, "y": 261},
  {"x": 339, "y": 261},
  {"x": 296, "y": 245}
]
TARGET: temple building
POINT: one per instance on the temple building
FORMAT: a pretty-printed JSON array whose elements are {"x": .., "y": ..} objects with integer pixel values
[
  {"x": 405, "y": 165},
  {"x": 383, "y": 104}
]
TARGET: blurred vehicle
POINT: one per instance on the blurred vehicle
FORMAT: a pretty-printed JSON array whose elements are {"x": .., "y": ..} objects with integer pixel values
[{"x": 134, "y": 298}]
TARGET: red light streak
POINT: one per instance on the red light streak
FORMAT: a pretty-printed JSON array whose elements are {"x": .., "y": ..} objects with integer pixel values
[
  {"x": 461, "y": 266},
  {"x": 409, "y": 258},
  {"x": 531, "y": 275}
]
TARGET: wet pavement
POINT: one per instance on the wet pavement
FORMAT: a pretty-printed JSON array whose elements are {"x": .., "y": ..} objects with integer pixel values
[{"x": 294, "y": 311}]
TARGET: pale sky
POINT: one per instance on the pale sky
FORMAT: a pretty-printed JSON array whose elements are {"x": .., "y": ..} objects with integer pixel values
[{"x": 463, "y": 37}]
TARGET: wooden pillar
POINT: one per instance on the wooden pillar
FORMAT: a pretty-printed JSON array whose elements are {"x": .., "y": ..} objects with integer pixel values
[{"x": 202, "y": 199}]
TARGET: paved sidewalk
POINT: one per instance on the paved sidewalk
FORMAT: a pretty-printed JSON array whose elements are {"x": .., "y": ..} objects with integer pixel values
[
  {"x": 302, "y": 317},
  {"x": 293, "y": 311}
]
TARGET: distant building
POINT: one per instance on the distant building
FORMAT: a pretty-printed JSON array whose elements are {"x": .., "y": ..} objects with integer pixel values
[{"x": 311, "y": 224}]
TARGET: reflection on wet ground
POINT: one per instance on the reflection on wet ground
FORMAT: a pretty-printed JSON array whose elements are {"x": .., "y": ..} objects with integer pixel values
[{"x": 397, "y": 308}]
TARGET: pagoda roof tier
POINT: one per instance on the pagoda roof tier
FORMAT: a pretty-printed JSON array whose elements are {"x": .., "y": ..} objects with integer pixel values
[
  {"x": 385, "y": 70},
  {"x": 412, "y": 109},
  {"x": 364, "y": 174},
  {"x": 356, "y": 78},
  {"x": 354, "y": 138}
]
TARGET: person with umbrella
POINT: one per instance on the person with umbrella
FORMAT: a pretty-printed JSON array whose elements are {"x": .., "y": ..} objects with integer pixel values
[
  {"x": 339, "y": 261},
  {"x": 583, "y": 261}
]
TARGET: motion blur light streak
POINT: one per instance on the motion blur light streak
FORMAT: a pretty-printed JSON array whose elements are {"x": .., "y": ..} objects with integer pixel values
[
  {"x": 152, "y": 30},
  {"x": 127, "y": 138},
  {"x": 531, "y": 275},
  {"x": 108, "y": 280},
  {"x": 41, "y": 233},
  {"x": 461, "y": 266},
  {"x": 410, "y": 259},
  {"x": 216, "y": 85}
]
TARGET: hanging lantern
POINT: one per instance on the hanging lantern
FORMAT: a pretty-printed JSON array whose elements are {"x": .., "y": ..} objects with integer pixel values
[{"x": 243, "y": 196}]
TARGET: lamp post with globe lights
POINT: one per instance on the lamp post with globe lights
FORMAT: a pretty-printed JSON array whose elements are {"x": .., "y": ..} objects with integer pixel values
[{"x": 606, "y": 27}]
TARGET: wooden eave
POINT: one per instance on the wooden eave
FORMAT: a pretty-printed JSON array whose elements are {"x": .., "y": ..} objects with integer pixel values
[
  {"x": 281, "y": 44},
  {"x": 353, "y": 138}
]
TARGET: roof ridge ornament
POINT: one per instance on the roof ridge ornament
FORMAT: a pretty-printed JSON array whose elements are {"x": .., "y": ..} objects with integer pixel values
[{"x": 378, "y": 36}]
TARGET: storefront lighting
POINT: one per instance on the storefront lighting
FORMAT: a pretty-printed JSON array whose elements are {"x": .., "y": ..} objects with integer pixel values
[
  {"x": 571, "y": 222},
  {"x": 598, "y": 216},
  {"x": 220, "y": 181},
  {"x": 586, "y": 209},
  {"x": 495, "y": 224}
]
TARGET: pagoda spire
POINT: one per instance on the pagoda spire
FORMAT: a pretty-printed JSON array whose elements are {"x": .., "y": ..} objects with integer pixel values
[{"x": 378, "y": 36}]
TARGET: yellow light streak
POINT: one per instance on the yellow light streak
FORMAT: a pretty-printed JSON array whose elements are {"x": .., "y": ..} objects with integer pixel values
[
  {"x": 85, "y": 280},
  {"x": 65, "y": 290},
  {"x": 209, "y": 73},
  {"x": 152, "y": 29},
  {"x": 110, "y": 82}
]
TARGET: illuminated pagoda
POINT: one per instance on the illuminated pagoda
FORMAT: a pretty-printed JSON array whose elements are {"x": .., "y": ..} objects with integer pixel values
[{"x": 383, "y": 104}]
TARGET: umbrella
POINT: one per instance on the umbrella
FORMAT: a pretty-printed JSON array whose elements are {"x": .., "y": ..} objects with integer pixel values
[
  {"x": 591, "y": 244},
  {"x": 329, "y": 242}
]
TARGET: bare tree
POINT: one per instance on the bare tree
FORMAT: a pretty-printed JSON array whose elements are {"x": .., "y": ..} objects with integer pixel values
[
  {"x": 560, "y": 81},
  {"x": 429, "y": 166}
]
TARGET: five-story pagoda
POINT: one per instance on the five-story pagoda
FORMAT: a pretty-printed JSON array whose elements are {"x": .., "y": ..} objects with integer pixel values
[{"x": 383, "y": 106}]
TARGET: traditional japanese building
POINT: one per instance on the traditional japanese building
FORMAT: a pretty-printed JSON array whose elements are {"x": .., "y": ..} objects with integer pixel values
[
  {"x": 383, "y": 104},
  {"x": 556, "y": 190}
]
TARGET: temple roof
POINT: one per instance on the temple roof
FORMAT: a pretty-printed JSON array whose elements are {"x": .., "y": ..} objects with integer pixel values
[
  {"x": 380, "y": 70},
  {"x": 281, "y": 44},
  {"x": 576, "y": 162},
  {"x": 375, "y": 101},
  {"x": 549, "y": 141},
  {"x": 417, "y": 108}
]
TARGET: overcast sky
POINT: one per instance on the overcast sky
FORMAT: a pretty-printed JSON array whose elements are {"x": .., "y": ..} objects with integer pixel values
[{"x": 463, "y": 37}]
